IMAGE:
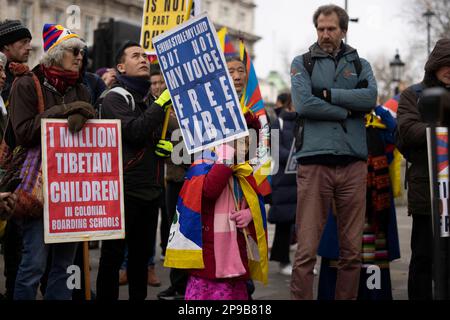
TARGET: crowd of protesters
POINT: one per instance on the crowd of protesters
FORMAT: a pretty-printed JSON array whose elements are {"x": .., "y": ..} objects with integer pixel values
[{"x": 337, "y": 203}]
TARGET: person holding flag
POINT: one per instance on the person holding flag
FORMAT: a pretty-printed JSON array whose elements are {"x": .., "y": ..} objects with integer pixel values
[{"x": 245, "y": 81}]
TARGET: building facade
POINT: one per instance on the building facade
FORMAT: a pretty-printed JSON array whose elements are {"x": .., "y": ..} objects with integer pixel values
[
  {"x": 238, "y": 16},
  {"x": 83, "y": 17},
  {"x": 272, "y": 86}
]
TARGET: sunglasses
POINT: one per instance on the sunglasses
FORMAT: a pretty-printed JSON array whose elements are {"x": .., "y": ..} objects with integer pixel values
[{"x": 76, "y": 51}]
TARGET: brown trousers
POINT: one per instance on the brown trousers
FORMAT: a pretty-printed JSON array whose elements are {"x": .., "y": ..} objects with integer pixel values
[{"x": 317, "y": 186}]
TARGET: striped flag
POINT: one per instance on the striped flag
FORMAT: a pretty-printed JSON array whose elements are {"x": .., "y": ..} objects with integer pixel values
[
  {"x": 252, "y": 100},
  {"x": 225, "y": 42}
]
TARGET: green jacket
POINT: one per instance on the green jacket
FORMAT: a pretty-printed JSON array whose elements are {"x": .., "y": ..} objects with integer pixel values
[{"x": 329, "y": 128}]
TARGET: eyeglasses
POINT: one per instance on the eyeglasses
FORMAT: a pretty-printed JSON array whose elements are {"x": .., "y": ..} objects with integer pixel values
[{"x": 76, "y": 51}]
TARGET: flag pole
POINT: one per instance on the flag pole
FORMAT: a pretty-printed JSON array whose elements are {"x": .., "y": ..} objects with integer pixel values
[{"x": 86, "y": 268}]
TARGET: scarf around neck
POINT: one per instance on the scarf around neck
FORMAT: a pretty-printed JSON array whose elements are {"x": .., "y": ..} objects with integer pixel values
[
  {"x": 184, "y": 250},
  {"x": 59, "y": 78},
  {"x": 139, "y": 85}
]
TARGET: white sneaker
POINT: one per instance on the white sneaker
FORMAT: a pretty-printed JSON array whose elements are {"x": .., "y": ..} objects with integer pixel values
[{"x": 286, "y": 270}]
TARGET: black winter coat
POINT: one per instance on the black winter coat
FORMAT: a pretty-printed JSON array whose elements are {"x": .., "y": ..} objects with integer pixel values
[
  {"x": 284, "y": 186},
  {"x": 412, "y": 130},
  {"x": 141, "y": 130}
]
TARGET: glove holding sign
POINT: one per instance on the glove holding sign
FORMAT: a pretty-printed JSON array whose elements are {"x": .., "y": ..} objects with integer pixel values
[
  {"x": 164, "y": 100},
  {"x": 164, "y": 148}
]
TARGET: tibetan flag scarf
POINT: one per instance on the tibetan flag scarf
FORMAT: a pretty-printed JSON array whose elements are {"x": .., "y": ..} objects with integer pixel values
[{"x": 184, "y": 249}]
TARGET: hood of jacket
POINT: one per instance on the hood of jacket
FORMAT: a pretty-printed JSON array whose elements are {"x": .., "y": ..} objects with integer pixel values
[{"x": 439, "y": 57}]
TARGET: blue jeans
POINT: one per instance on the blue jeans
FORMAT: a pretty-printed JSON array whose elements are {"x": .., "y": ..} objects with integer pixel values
[{"x": 34, "y": 261}]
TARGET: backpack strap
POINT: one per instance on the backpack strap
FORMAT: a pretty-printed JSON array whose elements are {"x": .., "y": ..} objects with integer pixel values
[
  {"x": 358, "y": 65},
  {"x": 124, "y": 93},
  {"x": 119, "y": 90},
  {"x": 308, "y": 63}
]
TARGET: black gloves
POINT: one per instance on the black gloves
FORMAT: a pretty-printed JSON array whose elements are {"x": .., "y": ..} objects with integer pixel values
[
  {"x": 324, "y": 94},
  {"x": 363, "y": 84}
]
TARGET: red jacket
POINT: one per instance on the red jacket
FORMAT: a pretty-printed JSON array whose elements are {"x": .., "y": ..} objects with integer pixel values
[{"x": 215, "y": 182}]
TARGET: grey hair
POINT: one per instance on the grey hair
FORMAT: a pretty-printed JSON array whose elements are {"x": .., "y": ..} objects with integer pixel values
[
  {"x": 55, "y": 55},
  {"x": 3, "y": 59}
]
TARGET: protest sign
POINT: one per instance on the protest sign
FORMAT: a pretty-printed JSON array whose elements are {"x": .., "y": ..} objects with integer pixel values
[
  {"x": 442, "y": 177},
  {"x": 160, "y": 16},
  {"x": 203, "y": 95},
  {"x": 82, "y": 179}
]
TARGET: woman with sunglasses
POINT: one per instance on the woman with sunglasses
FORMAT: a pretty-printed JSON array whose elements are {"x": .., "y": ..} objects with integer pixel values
[{"x": 64, "y": 96}]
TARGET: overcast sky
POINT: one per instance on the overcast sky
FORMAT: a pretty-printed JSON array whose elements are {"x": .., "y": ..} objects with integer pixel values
[{"x": 287, "y": 30}]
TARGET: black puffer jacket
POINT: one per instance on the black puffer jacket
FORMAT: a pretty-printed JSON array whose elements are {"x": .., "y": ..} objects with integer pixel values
[
  {"x": 141, "y": 130},
  {"x": 412, "y": 130},
  {"x": 284, "y": 186}
]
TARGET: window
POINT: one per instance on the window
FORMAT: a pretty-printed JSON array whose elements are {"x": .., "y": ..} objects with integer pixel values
[
  {"x": 207, "y": 5},
  {"x": 242, "y": 22},
  {"x": 88, "y": 29},
  {"x": 26, "y": 15},
  {"x": 59, "y": 16},
  {"x": 225, "y": 12}
]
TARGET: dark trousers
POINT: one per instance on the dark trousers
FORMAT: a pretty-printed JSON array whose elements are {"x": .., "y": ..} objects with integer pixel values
[
  {"x": 12, "y": 246},
  {"x": 282, "y": 242},
  {"x": 165, "y": 222},
  {"x": 420, "y": 267},
  {"x": 141, "y": 218},
  {"x": 178, "y": 277}
]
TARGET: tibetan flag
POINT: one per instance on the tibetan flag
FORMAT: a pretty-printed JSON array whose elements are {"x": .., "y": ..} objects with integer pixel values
[
  {"x": 184, "y": 248},
  {"x": 152, "y": 58},
  {"x": 392, "y": 105},
  {"x": 442, "y": 152},
  {"x": 252, "y": 100},
  {"x": 226, "y": 44},
  {"x": 395, "y": 166}
]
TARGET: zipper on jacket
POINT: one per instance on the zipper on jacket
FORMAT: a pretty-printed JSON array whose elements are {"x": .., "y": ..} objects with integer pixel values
[
  {"x": 343, "y": 125},
  {"x": 53, "y": 89}
]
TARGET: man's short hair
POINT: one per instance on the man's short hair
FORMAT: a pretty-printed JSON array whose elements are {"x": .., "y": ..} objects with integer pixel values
[
  {"x": 329, "y": 9},
  {"x": 155, "y": 70},
  {"x": 233, "y": 58},
  {"x": 121, "y": 52}
]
